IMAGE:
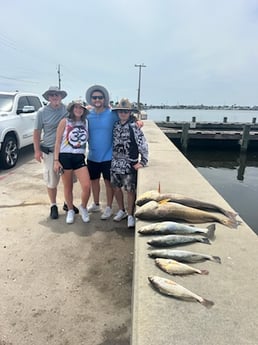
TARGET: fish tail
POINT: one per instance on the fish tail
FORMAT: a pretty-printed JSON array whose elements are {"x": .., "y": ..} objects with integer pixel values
[
  {"x": 205, "y": 240},
  {"x": 205, "y": 272},
  {"x": 211, "y": 231},
  {"x": 207, "y": 303},
  {"x": 216, "y": 259},
  {"x": 230, "y": 214}
]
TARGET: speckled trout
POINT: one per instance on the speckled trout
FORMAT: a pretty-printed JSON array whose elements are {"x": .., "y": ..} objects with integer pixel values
[
  {"x": 174, "y": 267},
  {"x": 153, "y": 210},
  {"x": 168, "y": 227},
  {"x": 170, "y": 288},
  {"x": 181, "y": 199},
  {"x": 175, "y": 240},
  {"x": 182, "y": 255}
]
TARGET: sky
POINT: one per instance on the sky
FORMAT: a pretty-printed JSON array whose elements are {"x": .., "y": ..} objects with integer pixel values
[{"x": 195, "y": 51}]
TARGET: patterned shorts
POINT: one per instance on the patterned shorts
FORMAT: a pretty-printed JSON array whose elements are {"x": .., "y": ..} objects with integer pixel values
[{"x": 128, "y": 181}]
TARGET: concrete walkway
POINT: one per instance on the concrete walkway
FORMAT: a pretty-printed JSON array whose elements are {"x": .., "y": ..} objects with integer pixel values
[
  {"x": 232, "y": 286},
  {"x": 60, "y": 284}
]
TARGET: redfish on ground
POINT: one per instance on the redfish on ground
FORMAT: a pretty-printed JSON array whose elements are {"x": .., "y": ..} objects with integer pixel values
[
  {"x": 172, "y": 211},
  {"x": 182, "y": 199}
]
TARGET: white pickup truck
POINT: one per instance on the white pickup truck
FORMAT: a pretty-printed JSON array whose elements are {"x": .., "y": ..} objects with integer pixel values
[{"x": 17, "y": 116}]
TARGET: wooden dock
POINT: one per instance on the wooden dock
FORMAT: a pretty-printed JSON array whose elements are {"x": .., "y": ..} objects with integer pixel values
[{"x": 244, "y": 135}]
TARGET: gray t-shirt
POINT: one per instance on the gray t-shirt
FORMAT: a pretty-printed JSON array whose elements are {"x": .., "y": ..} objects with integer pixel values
[{"x": 47, "y": 121}]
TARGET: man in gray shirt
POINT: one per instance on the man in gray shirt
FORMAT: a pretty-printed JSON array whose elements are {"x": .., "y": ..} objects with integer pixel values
[{"x": 47, "y": 120}]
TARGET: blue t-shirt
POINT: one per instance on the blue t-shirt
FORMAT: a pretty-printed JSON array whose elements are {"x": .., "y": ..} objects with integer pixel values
[{"x": 101, "y": 135}]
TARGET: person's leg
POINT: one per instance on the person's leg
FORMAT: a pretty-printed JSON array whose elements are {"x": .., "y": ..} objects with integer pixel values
[
  {"x": 131, "y": 197},
  {"x": 95, "y": 186},
  {"x": 67, "y": 179},
  {"x": 109, "y": 193},
  {"x": 119, "y": 198},
  {"x": 52, "y": 192},
  {"x": 84, "y": 179},
  {"x": 51, "y": 179}
]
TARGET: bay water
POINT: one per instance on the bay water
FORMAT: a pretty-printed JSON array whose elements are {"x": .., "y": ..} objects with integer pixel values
[{"x": 232, "y": 173}]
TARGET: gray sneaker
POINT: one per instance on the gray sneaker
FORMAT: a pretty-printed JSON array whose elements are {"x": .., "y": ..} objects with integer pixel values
[
  {"x": 107, "y": 213},
  {"x": 120, "y": 215},
  {"x": 94, "y": 208}
]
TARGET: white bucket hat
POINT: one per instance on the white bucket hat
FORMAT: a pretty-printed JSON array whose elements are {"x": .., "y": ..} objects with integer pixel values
[
  {"x": 54, "y": 89},
  {"x": 99, "y": 88}
]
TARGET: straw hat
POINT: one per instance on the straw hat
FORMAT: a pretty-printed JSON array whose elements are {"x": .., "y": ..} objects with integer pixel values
[
  {"x": 78, "y": 102},
  {"x": 124, "y": 104}
]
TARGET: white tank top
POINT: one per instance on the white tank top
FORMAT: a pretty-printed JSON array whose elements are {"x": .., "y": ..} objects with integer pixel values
[{"x": 75, "y": 137}]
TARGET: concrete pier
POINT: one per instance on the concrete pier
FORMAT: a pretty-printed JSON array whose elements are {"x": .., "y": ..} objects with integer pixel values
[{"x": 231, "y": 285}]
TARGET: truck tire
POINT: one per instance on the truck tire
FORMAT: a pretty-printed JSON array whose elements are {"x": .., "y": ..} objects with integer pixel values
[{"x": 9, "y": 152}]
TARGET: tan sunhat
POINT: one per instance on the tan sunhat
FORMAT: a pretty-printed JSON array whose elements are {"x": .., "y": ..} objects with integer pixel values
[
  {"x": 124, "y": 104},
  {"x": 80, "y": 103},
  {"x": 54, "y": 89}
]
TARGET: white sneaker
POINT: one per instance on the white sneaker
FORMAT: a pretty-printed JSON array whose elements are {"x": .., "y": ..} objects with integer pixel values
[
  {"x": 70, "y": 216},
  {"x": 84, "y": 214},
  {"x": 120, "y": 215},
  {"x": 107, "y": 213},
  {"x": 130, "y": 222},
  {"x": 94, "y": 208}
]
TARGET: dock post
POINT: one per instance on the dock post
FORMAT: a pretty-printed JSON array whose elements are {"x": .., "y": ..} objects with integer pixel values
[
  {"x": 245, "y": 137},
  {"x": 254, "y": 120},
  {"x": 184, "y": 136},
  {"x": 193, "y": 123},
  {"x": 225, "y": 119},
  {"x": 167, "y": 118}
]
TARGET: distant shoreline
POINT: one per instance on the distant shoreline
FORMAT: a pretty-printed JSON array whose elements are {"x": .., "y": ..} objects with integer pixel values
[{"x": 202, "y": 107}]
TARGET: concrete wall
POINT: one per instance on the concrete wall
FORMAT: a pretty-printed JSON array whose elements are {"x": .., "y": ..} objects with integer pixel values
[{"x": 232, "y": 285}]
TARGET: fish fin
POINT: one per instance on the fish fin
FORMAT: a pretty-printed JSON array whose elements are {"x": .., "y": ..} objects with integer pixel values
[
  {"x": 211, "y": 231},
  {"x": 163, "y": 201},
  {"x": 204, "y": 272},
  {"x": 216, "y": 259},
  {"x": 205, "y": 240},
  {"x": 207, "y": 303}
]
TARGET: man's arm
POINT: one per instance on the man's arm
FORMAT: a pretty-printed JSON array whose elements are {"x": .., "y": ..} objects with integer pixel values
[{"x": 36, "y": 143}]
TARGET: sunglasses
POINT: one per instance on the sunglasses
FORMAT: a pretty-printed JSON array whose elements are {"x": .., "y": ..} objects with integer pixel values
[
  {"x": 97, "y": 97},
  {"x": 54, "y": 94},
  {"x": 124, "y": 111}
]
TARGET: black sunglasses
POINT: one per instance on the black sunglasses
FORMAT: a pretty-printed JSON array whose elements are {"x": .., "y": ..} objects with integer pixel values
[
  {"x": 97, "y": 97},
  {"x": 53, "y": 94},
  {"x": 124, "y": 111}
]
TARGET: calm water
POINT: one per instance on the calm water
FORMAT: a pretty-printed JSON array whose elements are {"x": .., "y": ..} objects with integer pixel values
[
  {"x": 233, "y": 175},
  {"x": 202, "y": 115}
]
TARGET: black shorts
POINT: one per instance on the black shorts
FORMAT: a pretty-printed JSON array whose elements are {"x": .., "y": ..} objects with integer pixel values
[
  {"x": 72, "y": 161},
  {"x": 98, "y": 168}
]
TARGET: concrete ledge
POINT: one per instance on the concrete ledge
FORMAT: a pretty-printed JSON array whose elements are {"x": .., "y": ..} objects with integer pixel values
[{"x": 232, "y": 286}]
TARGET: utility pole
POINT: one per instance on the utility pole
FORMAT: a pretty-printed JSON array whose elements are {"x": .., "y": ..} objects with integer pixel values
[
  {"x": 139, "y": 84},
  {"x": 59, "y": 78}
]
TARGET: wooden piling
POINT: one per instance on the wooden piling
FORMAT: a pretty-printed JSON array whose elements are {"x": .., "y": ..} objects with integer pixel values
[
  {"x": 184, "y": 136},
  {"x": 245, "y": 137}
]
